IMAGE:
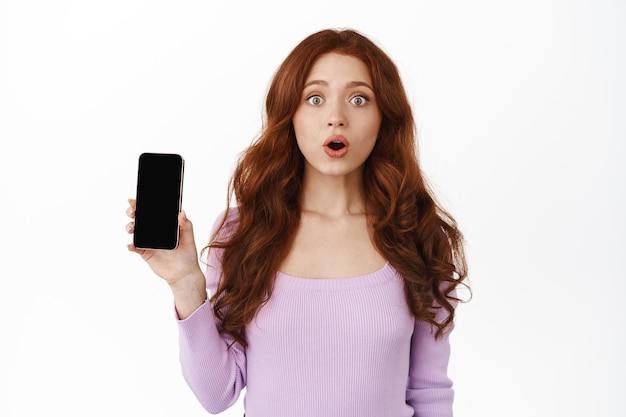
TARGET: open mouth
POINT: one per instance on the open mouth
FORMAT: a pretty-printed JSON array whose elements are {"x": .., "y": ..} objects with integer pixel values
[{"x": 336, "y": 145}]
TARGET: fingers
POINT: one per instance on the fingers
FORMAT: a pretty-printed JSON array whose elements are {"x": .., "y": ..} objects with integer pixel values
[
  {"x": 183, "y": 221},
  {"x": 186, "y": 230},
  {"x": 130, "y": 211},
  {"x": 185, "y": 224},
  {"x": 130, "y": 226}
]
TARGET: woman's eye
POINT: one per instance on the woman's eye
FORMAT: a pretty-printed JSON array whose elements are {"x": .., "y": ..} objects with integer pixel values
[
  {"x": 315, "y": 100},
  {"x": 359, "y": 100}
]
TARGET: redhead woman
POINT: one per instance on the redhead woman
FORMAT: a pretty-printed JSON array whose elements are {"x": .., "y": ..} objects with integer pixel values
[{"x": 329, "y": 288}]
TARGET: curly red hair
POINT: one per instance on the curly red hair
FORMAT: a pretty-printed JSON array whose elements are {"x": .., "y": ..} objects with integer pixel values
[{"x": 411, "y": 231}]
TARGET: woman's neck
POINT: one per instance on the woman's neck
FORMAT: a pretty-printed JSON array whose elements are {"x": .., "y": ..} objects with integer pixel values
[{"x": 333, "y": 196}]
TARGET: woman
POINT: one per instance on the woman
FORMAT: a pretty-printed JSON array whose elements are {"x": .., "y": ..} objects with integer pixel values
[{"x": 332, "y": 281}]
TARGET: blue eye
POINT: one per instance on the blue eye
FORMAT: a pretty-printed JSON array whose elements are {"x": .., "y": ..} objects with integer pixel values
[
  {"x": 359, "y": 100},
  {"x": 315, "y": 100}
]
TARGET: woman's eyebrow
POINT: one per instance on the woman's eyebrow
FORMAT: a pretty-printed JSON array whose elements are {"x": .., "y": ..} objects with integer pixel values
[
  {"x": 316, "y": 82},
  {"x": 351, "y": 84}
]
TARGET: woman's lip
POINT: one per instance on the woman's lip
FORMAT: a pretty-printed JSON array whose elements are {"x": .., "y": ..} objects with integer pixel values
[
  {"x": 336, "y": 153},
  {"x": 336, "y": 138}
]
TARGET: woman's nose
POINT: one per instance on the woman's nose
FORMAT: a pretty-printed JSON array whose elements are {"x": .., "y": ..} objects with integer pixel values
[{"x": 337, "y": 117}]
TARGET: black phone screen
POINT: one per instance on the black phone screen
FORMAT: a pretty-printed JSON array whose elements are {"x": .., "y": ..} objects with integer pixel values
[{"x": 159, "y": 197}]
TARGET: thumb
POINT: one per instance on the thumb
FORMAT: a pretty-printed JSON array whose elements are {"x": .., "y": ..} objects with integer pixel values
[{"x": 186, "y": 227}]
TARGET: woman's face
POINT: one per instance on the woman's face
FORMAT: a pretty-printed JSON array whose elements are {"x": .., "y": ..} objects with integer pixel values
[{"x": 337, "y": 121}]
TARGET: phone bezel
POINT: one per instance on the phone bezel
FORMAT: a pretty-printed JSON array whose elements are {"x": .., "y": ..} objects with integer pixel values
[{"x": 137, "y": 242}]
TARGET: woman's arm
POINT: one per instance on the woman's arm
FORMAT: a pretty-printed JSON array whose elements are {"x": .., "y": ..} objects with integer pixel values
[
  {"x": 214, "y": 373},
  {"x": 429, "y": 389}
]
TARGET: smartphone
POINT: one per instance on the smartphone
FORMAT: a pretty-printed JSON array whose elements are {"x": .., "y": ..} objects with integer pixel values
[{"x": 159, "y": 199}]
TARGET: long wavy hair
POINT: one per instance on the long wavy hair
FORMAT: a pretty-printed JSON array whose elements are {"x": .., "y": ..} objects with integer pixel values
[{"x": 411, "y": 231}]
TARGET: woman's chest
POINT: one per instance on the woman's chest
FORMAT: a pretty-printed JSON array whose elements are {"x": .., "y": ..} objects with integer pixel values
[
  {"x": 333, "y": 321},
  {"x": 332, "y": 249}
]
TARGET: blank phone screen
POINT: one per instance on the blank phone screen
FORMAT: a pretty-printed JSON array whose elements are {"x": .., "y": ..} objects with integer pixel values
[{"x": 159, "y": 195}]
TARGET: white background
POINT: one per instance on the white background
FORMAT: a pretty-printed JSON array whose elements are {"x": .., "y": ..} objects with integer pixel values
[{"x": 520, "y": 109}]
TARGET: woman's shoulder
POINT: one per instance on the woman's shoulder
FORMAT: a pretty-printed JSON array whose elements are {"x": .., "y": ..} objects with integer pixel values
[{"x": 226, "y": 222}]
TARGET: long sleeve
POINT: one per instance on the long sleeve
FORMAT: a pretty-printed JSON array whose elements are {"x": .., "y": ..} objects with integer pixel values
[
  {"x": 429, "y": 389},
  {"x": 215, "y": 374}
]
